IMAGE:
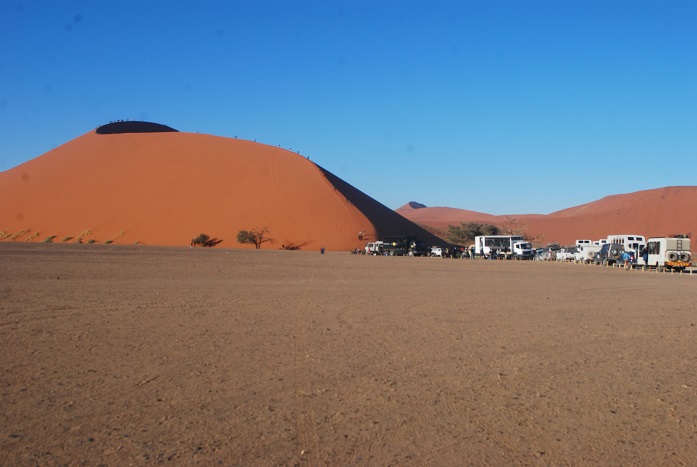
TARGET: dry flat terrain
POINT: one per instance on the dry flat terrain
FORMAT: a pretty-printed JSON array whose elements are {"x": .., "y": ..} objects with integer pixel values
[{"x": 129, "y": 354}]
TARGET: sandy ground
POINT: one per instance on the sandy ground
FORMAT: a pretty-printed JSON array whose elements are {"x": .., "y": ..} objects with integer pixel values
[{"x": 125, "y": 354}]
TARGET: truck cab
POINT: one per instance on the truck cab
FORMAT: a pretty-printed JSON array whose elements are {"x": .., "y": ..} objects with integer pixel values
[{"x": 522, "y": 249}]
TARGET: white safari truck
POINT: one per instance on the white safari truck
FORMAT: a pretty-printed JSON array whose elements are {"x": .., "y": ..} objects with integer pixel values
[
  {"x": 503, "y": 246},
  {"x": 669, "y": 253},
  {"x": 374, "y": 248}
]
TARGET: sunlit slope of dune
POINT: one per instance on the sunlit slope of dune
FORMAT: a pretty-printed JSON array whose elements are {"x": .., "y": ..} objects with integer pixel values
[{"x": 164, "y": 188}]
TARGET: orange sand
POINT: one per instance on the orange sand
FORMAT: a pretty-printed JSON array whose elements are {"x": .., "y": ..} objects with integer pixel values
[
  {"x": 166, "y": 188},
  {"x": 658, "y": 212}
]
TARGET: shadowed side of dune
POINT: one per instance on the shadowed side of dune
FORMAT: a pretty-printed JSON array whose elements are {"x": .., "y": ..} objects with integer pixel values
[
  {"x": 116, "y": 128},
  {"x": 386, "y": 221}
]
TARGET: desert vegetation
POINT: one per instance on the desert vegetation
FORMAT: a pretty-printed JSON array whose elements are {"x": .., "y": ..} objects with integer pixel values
[
  {"x": 464, "y": 233},
  {"x": 204, "y": 241},
  {"x": 294, "y": 246},
  {"x": 19, "y": 234},
  {"x": 112, "y": 239},
  {"x": 84, "y": 234},
  {"x": 254, "y": 237}
]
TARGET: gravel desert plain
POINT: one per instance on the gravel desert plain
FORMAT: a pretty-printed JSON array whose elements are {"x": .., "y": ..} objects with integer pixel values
[{"x": 117, "y": 355}]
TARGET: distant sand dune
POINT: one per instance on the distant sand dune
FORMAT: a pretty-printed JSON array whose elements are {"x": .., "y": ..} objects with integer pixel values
[{"x": 658, "y": 212}]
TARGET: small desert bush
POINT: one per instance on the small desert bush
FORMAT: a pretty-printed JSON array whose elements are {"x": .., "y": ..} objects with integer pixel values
[
  {"x": 21, "y": 233},
  {"x": 108, "y": 242},
  {"x": 84, "y": 234},
  {"x": 66, "y": 239},
  {"x": 91, "y": 240},
  {"x": 49, "y": 239},
  {"x": 205, "y": 241},
  {"x": 294, "y": 246}
]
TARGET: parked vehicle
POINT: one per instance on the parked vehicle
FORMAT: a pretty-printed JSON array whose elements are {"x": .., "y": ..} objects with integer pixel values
[
  {"x": 581, "y": 243},
  {"x": 670, "y": 253},
  {"x": 497, "y": 246},
  {"x": 522, "y": 249},
  {"x": 565, "y": 254},
  {"x": 586, "y": 253},
  {"x": 373, "y": 248},
  {"x": 630, "y": 242},
  {"x": 609, "y": 254},
  {"x": 437, "y": 251},
  {"x": 541, "y": 254}
]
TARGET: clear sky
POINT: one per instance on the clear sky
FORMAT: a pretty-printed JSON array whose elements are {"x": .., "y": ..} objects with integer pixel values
[{"x": 504, "y": 107}]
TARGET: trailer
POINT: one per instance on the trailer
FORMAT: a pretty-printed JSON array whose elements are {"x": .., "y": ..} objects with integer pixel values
[{"x": 668, "y": 252}]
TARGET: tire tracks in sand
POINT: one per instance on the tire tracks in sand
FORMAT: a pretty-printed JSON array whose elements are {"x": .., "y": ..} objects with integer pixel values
[{"x": 308, "y": 439}]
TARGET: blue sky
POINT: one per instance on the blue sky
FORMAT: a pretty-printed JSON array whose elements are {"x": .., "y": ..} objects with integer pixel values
[{"x": 505, "y": 107}]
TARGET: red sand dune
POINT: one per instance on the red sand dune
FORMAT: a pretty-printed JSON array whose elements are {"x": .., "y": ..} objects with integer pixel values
[
  {"x": 658, "y": 212},
  {"x": 165, "y": 187}
]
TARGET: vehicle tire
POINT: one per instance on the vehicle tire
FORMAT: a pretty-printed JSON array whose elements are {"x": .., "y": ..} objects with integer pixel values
[
  {"x": 673, "y": 256},
  {"x": 613, "y": 252},
  {"x": 684, "y": 257}
]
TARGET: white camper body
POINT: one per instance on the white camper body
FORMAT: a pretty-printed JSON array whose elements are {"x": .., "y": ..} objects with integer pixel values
[
  {"x": 668, "y": 252},
  {"x": 499, "y": 245},
  {"x": 374, "y": 248},
  {"x": 580, "y": 243},
  {"x": 632, "y": 243}
]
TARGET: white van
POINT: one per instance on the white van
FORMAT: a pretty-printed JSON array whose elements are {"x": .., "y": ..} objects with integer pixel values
[
  {"x": 373, "y": 248},
  {"x": 668, "y": 252}
]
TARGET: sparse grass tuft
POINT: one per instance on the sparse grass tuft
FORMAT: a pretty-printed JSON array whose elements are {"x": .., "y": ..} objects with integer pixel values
[
  {"x": 84, "y": 234},
  {"x": 4, "y": 235},
  {"x": 49, "y": 239},
  {"x": 21, "y": 233},
  {"x": 111, "y": 240},
  {"x": 32, "y": 237}
]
